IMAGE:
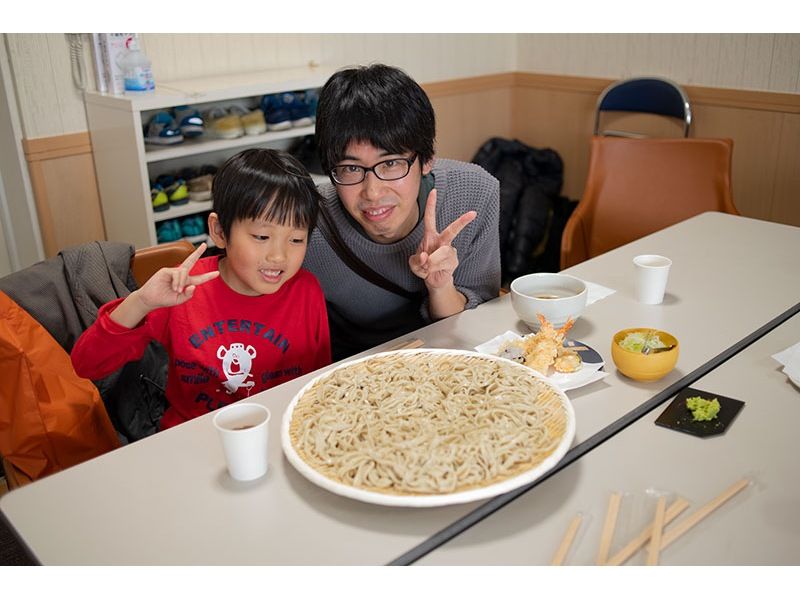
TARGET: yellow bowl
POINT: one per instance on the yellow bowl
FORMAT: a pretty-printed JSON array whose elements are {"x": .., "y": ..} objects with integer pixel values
[{"x": 638, "y": 366}]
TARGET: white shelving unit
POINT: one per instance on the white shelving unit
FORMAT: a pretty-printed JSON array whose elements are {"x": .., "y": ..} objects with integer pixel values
[{"x": 125, "y": 165}]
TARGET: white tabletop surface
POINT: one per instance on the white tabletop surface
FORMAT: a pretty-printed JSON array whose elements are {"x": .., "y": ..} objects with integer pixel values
[
  {"x": 758, "y": 526},
  {"x": 168, "y": 499}
]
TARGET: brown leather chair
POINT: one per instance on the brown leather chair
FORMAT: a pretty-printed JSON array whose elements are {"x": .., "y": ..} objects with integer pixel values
[
  {"x": 639, "y": 186},
  {"x": 150, "y": 260}
]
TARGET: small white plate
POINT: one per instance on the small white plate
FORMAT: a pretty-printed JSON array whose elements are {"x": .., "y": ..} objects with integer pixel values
[{"x": 590, "y": 372}]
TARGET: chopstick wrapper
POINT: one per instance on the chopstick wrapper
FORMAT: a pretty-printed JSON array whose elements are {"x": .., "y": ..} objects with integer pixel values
[
  {"x": 596, "y": 292},
  {"x": 790, "y": 360}
]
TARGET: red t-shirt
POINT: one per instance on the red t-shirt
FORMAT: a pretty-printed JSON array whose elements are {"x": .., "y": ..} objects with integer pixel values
[{"x": 223, "y": 346}]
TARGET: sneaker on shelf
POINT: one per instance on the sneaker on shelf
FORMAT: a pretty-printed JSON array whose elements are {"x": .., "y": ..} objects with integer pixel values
[
  {"x": 222, "y": 124},
  {"x": 305, "y": 150},
  {"x": 189, "y": 121},
  {"x": 192, "y": 226},
  {"x": 159, "y": 199},
  {"x": 276, "y": 112},
  {"x": 253, "y": 121},
  {"x": 200, "y": 187},
  {"x": 176, "y": 189},
  {"x": 162, "y": 130},
  {"x": 169, "y": 230},
  {"x": 199, "y": 181},
  {"x": 311, "y": 99},
  {"x": 299, "y": 111}
]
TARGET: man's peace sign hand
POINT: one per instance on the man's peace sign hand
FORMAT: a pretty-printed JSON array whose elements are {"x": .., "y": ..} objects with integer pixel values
[{"x": 436, "y": 259}]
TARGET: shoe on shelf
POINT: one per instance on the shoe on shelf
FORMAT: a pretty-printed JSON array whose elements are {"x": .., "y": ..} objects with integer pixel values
[
  {"x": 159, "y": 199},
  {"x": 169, "y": 230},
  {"x": 192, "y": 226},
  {"x": 200, "y": 187},
  {"x": 199, "y": 181},
  {"x": 276, "y": 112},
  {"x": 176, "y": 189},
  {"x": 162, "y": 130},
  {"x": 311, "y": 99},
  {"x": 254, "y": 122},
  {"x": 189, "y": 121},
  {"x": 299, "y": 111},
  {"x": 222, "y": 124}
]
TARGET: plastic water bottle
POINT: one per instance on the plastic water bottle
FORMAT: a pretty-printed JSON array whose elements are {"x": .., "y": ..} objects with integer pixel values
[{"x": 136, "y": 68}]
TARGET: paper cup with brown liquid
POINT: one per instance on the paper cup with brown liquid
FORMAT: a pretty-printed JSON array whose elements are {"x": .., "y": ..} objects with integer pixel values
[{"x": 244, "y": 431}]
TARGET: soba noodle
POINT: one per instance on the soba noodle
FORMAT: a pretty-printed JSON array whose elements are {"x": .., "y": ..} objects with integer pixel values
[{"x": 426, "y": 423}]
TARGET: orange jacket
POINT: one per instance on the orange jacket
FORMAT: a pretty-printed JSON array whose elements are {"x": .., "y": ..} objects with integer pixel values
[{"x": 50, "y": 419}]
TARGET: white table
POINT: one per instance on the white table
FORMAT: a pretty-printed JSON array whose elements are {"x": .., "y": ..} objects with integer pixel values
[
  {"x": 758, "y": 526},
  {"x": 167, "y": 499}
]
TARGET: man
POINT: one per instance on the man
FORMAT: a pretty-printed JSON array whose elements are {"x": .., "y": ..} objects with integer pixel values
[{"x": 403, "y": 239}]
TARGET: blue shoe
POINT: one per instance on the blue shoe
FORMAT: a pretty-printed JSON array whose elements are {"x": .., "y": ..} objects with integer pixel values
[
  {"x": 311, "y": 99},
  {"x": 167, "y": 231},
  {"x": 192, "y": 226},
  {"x": 162, "y": 130},
  {"x": 276, "y": 111},
  {"x": 299, "y": 110},
  {"x": 189, "y": 121}
]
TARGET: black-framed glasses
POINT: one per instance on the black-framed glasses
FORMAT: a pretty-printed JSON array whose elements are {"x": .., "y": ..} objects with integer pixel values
[{"x": 386, "y": 170}]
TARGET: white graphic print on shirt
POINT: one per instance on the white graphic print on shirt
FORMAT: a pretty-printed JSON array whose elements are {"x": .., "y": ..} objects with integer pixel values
[{"x": 236, "y": 365}]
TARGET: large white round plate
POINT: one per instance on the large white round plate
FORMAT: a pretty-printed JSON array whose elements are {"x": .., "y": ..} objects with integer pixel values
[{"x": 429, "y": 500}]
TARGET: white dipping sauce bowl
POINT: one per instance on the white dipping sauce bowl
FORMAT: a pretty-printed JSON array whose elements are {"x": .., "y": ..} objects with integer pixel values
[{"x": 557, "y": 297}]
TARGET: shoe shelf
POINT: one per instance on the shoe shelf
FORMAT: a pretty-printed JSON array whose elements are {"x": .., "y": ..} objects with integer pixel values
[
  {"x": 125, "y": 165},
  {"x": 193, "y": 207},
  {"x": 191, "y": 147}
]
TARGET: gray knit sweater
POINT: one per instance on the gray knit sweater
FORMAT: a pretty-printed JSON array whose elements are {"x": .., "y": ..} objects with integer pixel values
[{"x": 362, "y": 315}]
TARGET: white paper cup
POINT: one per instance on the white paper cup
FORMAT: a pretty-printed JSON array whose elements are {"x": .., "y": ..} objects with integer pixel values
[
  {"x": 244, "y": 431},
  {"x": 652, "y": 272}
]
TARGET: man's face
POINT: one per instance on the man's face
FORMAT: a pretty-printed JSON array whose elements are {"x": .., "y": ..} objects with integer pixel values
[{"x": 386, "y": 210}]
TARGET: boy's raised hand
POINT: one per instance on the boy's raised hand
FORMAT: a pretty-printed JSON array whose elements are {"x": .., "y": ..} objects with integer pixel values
[
  {"x": 165, "y": 288},
  {"x": 436, "y": 259},
  {"x": 173, "y": 286}
]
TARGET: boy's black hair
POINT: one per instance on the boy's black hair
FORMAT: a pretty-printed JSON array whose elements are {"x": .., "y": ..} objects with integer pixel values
[
  {"x": 377, "y": 103},
  {"x": 265, "y": 183}
]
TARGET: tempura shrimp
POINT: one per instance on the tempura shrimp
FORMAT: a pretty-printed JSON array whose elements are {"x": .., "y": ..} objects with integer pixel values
[{"x": 543, "y": 348}]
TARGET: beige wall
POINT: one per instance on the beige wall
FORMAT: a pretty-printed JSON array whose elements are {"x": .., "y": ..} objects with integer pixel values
[
  {"x": 764, "y": 61},
  {"x": 51, "y": 105}
]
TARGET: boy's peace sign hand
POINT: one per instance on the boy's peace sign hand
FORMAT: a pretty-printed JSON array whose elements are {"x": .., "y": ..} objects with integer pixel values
[
  {"x": 436, "y": 259},
  {"x": 173, "y": 286}
]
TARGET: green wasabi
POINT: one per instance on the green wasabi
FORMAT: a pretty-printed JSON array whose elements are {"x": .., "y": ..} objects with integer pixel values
[{"x": 702, "y": 409}]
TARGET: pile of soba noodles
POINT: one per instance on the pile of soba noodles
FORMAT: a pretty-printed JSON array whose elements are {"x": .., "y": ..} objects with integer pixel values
[{"x": 426, "y": 423}]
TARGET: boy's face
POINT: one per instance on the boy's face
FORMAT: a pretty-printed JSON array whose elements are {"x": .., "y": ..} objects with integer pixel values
[
  {"x": 386, "y": 210},
  {"x": 260, "y": 255}
]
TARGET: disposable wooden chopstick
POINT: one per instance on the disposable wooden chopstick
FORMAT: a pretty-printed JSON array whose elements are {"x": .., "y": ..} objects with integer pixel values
[
  {"x": 608, "y": 528},
  {"x": 409, "y": 344},
  {"x": 658, "y": 529},
  {"x": 569, "y": 536},
  {"x": 675, "y": 509},
  {"x": 703, "y": 512}
]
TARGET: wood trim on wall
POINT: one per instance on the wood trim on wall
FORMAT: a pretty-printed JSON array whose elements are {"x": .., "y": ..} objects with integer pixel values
[
  {"x": 65, "y": 190},
  {"x": 732, "y": 98}
]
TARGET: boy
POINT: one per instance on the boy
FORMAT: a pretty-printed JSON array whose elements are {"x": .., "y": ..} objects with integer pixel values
[
  {"x": 429, "y": 227},
  {"x": 236, "y": 324}
]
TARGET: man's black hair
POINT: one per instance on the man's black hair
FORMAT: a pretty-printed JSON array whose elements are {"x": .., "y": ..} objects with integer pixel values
[
  {"x": 379, "y": 104},
  {"x": 266, "y": 184}
]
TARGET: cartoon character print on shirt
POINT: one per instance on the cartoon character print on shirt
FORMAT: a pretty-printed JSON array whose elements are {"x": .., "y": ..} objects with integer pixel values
[{"x": 236, "y": 365}]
